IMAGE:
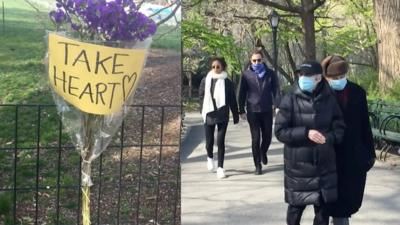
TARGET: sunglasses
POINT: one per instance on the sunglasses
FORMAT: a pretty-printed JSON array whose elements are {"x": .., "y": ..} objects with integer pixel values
[
  {"x": 256, "y": 60},
  {"x": 216, "y": 67}
]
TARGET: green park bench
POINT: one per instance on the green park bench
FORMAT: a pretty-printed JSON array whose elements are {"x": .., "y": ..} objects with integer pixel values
[{"x": 385, "y": 125}]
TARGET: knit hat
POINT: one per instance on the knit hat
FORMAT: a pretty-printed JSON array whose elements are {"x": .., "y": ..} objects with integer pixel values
[
  {"x": 334, "y": 65},
  {"x": 310, "y": 68}
]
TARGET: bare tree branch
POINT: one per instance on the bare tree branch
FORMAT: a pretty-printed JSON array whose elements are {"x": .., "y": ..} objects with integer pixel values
[
  {"x": 289, "y": 55},
  {"x": 288, "y": 23},
  {"x": 140, "y": 4},
  {"x": 251, "y": 17},
  {"x": 159, "y": 11},
  {"x": 33, "y": 6},
  {"x": 172, "y": 14},
  {"x": 292, "y": 9},
  {"x": 292, "y": 25},
  {"x": 361, "y": 64},
  {"x": 289, "y": 3},
  {"x": 42, "y": 18},
  {"x": 300, "y": 48},
  {"x": 280, "y": 69},
  {"x": 326, "y": 27},
  {"x": 317, "y": 4}
]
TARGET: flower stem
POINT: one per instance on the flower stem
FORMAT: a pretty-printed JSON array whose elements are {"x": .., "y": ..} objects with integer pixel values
[{"x": 86, "y": 205}]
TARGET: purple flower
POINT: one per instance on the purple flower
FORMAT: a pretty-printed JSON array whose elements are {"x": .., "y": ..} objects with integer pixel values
[
  {"x": 117, "y": 20},
  {"x": 58, "y": 16},
  {"x": 75, "y": 27}
]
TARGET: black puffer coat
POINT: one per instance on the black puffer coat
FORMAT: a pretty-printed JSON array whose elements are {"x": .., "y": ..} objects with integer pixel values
[{"x": 310, "y": 168}]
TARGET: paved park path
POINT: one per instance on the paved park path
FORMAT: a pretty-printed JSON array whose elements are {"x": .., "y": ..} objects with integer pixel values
[{"x": 246, "y": 199}]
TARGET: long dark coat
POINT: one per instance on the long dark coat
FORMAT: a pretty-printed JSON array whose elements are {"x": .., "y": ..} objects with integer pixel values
[
  {"x": 355, "y": 155},
  {"x": 310, "y": 168}
]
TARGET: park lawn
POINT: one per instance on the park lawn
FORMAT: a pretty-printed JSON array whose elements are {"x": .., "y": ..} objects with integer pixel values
[
  {"x": 23, "y": 81},
  {"x": 22, "y": 75},
  {"x": 167, "y": 37}
]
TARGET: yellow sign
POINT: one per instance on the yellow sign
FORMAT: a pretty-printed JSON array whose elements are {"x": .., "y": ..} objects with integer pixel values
[{"x": 94, "y": 78}]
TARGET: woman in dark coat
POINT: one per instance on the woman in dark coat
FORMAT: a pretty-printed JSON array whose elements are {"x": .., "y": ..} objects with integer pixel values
[
  {"x": 309, "y": 123},
  {"x": 217, "y": 96},
  {"x": 356, "y": 154}
]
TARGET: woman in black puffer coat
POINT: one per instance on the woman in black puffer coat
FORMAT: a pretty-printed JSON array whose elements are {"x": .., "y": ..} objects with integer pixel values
[{"x": 309, "y": 123}]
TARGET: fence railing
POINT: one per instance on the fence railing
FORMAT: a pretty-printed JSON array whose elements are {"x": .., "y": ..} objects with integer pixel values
[{"x": 136, "y": 180}]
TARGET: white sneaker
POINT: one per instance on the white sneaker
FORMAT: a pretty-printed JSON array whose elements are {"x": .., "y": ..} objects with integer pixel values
[
  {"x": 220, "y": 173},
  {"x": 210, "y": 164}
]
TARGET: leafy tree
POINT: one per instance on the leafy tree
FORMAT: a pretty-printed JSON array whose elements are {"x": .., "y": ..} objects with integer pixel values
[{"x": 198, "y": 39}]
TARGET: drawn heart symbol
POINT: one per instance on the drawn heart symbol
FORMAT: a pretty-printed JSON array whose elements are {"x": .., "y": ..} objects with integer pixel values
[{"x": 128, "y": 82}]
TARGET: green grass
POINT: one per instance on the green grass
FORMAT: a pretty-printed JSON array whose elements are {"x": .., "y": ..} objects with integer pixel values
[
  {"x": 22, "y": 74},
  {"x": 22, "y": 50},
  {"x": 167, "y": 38},
  {"x": 23, "y": 81},
  {"x": 5, "y": 207}
]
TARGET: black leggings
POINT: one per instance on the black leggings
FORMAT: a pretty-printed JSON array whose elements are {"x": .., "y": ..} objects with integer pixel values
[
  {"x": 294, "y": 214},
  {"x": 260, "y": 125},
  {"x": 209, "y": 129}
]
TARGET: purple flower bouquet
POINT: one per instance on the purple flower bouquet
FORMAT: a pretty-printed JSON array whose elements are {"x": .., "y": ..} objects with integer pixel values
[{"x": 94, "y": 64}]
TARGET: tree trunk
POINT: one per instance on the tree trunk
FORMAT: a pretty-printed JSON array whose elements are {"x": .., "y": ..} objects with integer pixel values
[
  {"x": 387, "y": 22},
  {"x": 307, "y": 19}
]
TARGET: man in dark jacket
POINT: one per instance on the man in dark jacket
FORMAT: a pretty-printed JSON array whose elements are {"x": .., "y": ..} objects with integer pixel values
[
  {"x": 309, "y": 123},
  {"x": 356, "y": 154},
  {"x": 259, "y": 90}
]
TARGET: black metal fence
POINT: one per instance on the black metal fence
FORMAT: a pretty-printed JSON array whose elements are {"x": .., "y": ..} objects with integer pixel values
[
  {"x": 136, "y": 180},
  {"x": 385, "y": 123}
]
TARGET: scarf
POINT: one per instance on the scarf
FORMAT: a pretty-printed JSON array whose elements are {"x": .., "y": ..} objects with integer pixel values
[
  {"x": 343, "y": 97},
  {"x": 259, "y": 69},
  {"x": 219, "y": 93}
]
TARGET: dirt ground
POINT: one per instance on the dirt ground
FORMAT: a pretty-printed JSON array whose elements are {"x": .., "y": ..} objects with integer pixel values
[{"x": 161, "y": 79}]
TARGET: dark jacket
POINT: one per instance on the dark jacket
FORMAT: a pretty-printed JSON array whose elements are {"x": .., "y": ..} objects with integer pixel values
[
  {"x": 258, "y": 95},
  {"x": 230, "y": 97},
  {"x": 310, "y": 168},
  {"x": 355, "y": 155}
]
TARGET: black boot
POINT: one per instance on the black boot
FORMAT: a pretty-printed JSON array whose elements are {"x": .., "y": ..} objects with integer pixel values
[
  {"x": 258, "y": 170},
  {"x": 264, "y": 158}
]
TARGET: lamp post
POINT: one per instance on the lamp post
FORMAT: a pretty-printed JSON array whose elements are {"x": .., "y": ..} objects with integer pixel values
[{"x": 274, "y": 22}]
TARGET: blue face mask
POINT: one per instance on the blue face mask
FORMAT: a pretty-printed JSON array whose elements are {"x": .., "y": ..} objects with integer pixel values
[
  {"x": 259, "y": 69},
  {"x": 338, "y": 85},
  {"x": 258, "y": 66},
  {"x": 306, "y": 83}
]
